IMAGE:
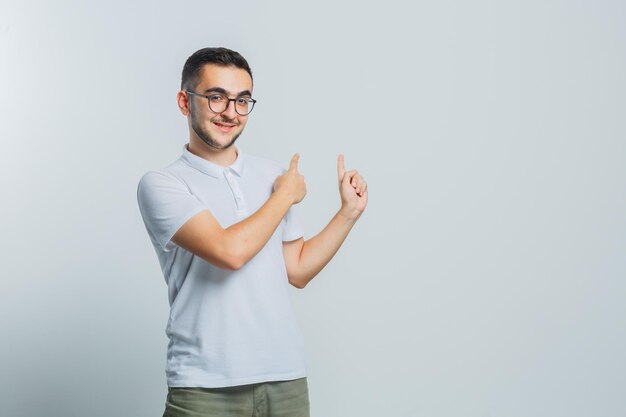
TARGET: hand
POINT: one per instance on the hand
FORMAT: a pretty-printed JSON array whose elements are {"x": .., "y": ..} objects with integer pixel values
[
  {"x": 353, "y": 191},
  {"x": 291, "y": 182}
]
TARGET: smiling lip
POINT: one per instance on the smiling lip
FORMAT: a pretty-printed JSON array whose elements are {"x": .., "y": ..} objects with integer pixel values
[{"x": 224, "y": 127}]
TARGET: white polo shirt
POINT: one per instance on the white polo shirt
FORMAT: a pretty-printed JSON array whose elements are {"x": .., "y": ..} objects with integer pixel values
[{"x": 225, "y": 327}]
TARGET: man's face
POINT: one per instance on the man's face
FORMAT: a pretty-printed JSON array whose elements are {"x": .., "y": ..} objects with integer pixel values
[{"x": 219, "y": 130}]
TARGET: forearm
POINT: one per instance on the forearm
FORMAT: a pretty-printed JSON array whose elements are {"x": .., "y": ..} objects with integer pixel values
[
  {"x": 320, "y": 249},
  {"x": 247, "y": 237}
]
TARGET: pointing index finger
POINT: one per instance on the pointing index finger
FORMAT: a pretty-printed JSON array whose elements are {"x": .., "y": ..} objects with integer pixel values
[{"x": 341, "y": 169}]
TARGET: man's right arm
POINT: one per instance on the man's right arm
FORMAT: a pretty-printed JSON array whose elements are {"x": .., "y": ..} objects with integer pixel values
[{"x": 232, "y": 247}]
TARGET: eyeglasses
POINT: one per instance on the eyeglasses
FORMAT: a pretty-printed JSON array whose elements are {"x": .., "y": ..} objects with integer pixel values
[{"x": 218, "y": 103}]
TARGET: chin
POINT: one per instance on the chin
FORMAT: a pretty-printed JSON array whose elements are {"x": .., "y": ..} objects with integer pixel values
[{"x": 224, "y": 143}]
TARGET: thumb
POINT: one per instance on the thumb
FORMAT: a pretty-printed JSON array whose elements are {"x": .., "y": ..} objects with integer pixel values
[
  {"x": 347, "y": 176},
  {"x": 293, "y": 165},
  {"x": 341, "y": 169}
]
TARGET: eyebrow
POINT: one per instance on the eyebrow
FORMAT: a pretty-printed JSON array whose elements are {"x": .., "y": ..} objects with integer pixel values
[{"x": 221, "y": 90}]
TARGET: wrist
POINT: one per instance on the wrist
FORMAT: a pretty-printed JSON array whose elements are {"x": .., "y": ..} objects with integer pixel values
[
  {"x": 349, "y": 214},
  {"x": 282, "y": 195}
]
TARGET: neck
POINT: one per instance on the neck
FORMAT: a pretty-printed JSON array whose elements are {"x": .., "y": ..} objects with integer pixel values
[{"x": 223, "y": 157}]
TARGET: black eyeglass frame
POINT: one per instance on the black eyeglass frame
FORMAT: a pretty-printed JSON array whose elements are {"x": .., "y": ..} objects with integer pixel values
[{"x": 250, "y": 100}]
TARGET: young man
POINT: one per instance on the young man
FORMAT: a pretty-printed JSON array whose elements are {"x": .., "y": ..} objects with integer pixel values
[{"x": 229, "y": 245}]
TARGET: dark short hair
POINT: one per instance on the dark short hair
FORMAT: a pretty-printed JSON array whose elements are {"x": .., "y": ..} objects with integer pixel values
[{"x": 218, "y": 56}]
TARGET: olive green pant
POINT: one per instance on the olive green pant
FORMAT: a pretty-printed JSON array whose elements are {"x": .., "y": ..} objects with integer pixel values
[{"x": 267, "y": 399}]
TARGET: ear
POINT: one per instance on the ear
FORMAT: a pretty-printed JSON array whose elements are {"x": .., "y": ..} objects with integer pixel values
[{"x": 183, "y": 102}]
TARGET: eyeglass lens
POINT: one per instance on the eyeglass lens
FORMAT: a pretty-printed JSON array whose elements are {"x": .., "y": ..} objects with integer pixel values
[{"x": 218, "y": 103}]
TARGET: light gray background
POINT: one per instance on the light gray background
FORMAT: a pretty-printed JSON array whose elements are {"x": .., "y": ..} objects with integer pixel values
[{"x": 486, "y": 277}]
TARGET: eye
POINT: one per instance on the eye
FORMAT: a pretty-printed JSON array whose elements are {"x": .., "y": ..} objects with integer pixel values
[
  {"x": 217, "y": 98},
  {"x": 243, "y": 101}
]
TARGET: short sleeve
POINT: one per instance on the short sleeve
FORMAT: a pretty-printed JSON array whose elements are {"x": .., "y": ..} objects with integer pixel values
[
  {"x": 166, "y": 204},
  {"x": 292, "y": 229}
]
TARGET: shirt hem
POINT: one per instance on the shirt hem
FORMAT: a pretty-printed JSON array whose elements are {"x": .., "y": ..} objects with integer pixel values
[{"x": 229, "y": 382}]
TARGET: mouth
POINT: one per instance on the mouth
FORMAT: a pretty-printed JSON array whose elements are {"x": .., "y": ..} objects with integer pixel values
[{"x": 225, "y": 127}]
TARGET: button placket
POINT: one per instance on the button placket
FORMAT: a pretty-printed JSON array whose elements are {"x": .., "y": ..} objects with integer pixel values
[{"x": 237, "y": 194}]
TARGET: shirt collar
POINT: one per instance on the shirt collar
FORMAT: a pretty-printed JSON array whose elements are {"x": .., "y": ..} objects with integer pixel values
[{"x": 211, "y": 168}]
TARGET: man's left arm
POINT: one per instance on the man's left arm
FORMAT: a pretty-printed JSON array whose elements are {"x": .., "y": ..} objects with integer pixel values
[{"x": 305, "y": 259}]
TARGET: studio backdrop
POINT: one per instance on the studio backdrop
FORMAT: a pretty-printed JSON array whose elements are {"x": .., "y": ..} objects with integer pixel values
[{"x": 486, "y": 276}]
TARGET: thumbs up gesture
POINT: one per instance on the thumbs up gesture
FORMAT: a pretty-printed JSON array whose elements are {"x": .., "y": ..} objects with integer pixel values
[
  {"x": 291, "y": 182},
  {"x": 353, "y": 190}
]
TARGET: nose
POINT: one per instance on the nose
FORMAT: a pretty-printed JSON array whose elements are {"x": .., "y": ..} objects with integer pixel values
[{"x": 229, "y": 112}]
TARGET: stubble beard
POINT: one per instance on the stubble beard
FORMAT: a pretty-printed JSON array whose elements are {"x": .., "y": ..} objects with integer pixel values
[{"x": 205, "y": 136}]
